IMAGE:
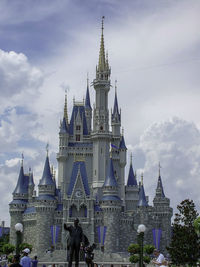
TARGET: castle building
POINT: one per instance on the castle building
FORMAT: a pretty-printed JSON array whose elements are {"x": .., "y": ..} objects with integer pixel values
[{"x": 91, "y": 183}]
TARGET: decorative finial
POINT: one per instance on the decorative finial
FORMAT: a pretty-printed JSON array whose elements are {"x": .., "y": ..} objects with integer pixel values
[
  {"x": 102, "y": 23},
  {"x": 29, "y": 170},
  {"x": 87, "y": 80},
  {"x": 65, "y": 108},
  {"x": 135, "y": 175},
  {"x": 22, "y": 162},
  {"x": 47, "y": 149},
  {"x": 122, "y": 131},
  {"x": 131, "y": 158},
  {"x": 159, "y": 167},
  {"x": 142, "y": 178},
  {"x": 115, "y": 86}
]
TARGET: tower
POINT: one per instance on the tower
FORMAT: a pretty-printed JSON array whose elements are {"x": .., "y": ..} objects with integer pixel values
[
  {"x": 63, "y": 146},
  {"x": 162, "y": 214},
  {"x": 45, "y": 205},
  {"x": 111, "y": 206},
  {"x": 19, "y": 202},
  {"x": 131, "y": 190},
  {"x": 101, "y": 135}
]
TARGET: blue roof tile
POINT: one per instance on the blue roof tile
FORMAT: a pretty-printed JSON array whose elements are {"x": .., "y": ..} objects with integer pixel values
[
  {"x": 111, "y": 197},
  {"x": 142, "y": 198},
  {"x": 59, "y": 207},
  {"x": 22, "y": 183},
  {"x": 122, "y": 144},
  {"x": 30, "y": 210},
  {"x": 131, "y": 177},
  {"x": 110, "y": 178},
  {"x": 18, "y": 201},
  {"x": 47, "y": 176},
  {"x": 87, "y": 99},
  {"x": 46, "y": 197},
  {"x": 160, "y": 186},
  {"x": 76, "y": 166},
  {"x": 81, "y": 110},
  {"x": 63, "y": 127}
]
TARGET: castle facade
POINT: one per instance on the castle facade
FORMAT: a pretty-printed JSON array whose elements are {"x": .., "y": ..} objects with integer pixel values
[{"x": 91, "y": 183}]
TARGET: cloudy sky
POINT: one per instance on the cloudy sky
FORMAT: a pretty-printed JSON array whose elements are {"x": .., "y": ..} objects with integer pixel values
[{"x": 48, "y": 46}]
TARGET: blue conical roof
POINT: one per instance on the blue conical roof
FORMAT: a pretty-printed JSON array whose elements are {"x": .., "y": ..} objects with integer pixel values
[
  {"x": 142, "y": 198},
  {"x": 122, "y": 144},
  {"x": 131, "y": 177},
  {"x": 160, "y": 186},
  {"x": 110, "y": 178},
  {"x": 63, "y": 127},
  {"x": 47, "y": 176},
  {"x": 22, "y": 183},
  {"x": 87, "y": 99}
]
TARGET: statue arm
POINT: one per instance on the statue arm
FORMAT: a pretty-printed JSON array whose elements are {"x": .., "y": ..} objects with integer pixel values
[{"x": 67, "y": 228}]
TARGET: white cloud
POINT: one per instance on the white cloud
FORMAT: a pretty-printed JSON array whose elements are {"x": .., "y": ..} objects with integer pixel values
[
  {"x": 17, "y": 74},
  {"x": 176, "y": 144}
]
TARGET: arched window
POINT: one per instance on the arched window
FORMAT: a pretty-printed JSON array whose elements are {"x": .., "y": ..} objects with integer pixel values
[
  {"x": 83, "y": 211},
  {"x": 73, "y": 211}
]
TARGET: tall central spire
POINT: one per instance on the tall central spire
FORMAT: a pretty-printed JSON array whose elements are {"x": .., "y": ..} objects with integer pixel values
[
  {"x": 103, "y": 70},
  {"x": 102, "y": 60}
]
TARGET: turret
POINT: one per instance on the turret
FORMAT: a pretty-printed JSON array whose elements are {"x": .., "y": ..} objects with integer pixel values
[
  {"x": 100, "y": 135},
  {"x": 88, "y": 109},
  {"x": 45, "y": 205},
  {"x": 116, "y": 116},
  {"x": 19, "y": 202},
  {"x": 102, "y": 87},
  {"x": 131, "y": 190},
  {"x": 162, "y": 213},
  {"x": 46, "y": 184},
  {"x": 111, "y": 205}
]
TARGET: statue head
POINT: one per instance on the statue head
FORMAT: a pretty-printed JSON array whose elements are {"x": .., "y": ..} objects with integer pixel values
[{"x": 76, "y": 221}]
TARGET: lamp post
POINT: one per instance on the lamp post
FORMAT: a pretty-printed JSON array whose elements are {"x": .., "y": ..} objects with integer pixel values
[
  {"x": 141, "y": 229},
  {"x": 19, "y": 230}
]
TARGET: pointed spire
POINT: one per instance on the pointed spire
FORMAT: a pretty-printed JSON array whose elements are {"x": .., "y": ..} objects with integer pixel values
[
  {"x": 22, "y": 185},
  {"x": 116, "y": 114},
  {"x": 22, "y": 161},
  {"x": 159, "y": 189},
  {"x": 131, "y": 176},
  {"x": 63, "y": 127},
  {"x": 65, "y": 109},
  {"x": 122, "y": 144},
  {"x": 31, "y": 182},
  {"x": 110, "y": 178},
  {"x": 142, "y": 198},
  {"x": 102, "y": 61},
  {"x": 47, "y": 176},
  {"x": 87, "y": 98}
]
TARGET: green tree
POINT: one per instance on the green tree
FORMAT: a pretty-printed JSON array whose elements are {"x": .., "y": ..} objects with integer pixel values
[
  {"x": 3, "y": 240},
  {"x": 8, "y": 248},
  {"x": 134, "y": 250},
  {"x": 184, "y": 247}
]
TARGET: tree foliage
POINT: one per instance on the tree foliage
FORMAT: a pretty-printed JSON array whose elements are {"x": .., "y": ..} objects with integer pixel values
[
  {"x": 184, "y": 247},
  {"x": 134, "y": 250},
  {"x": 8, "y": 248},
  {"x": 4, "y": 239}
]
